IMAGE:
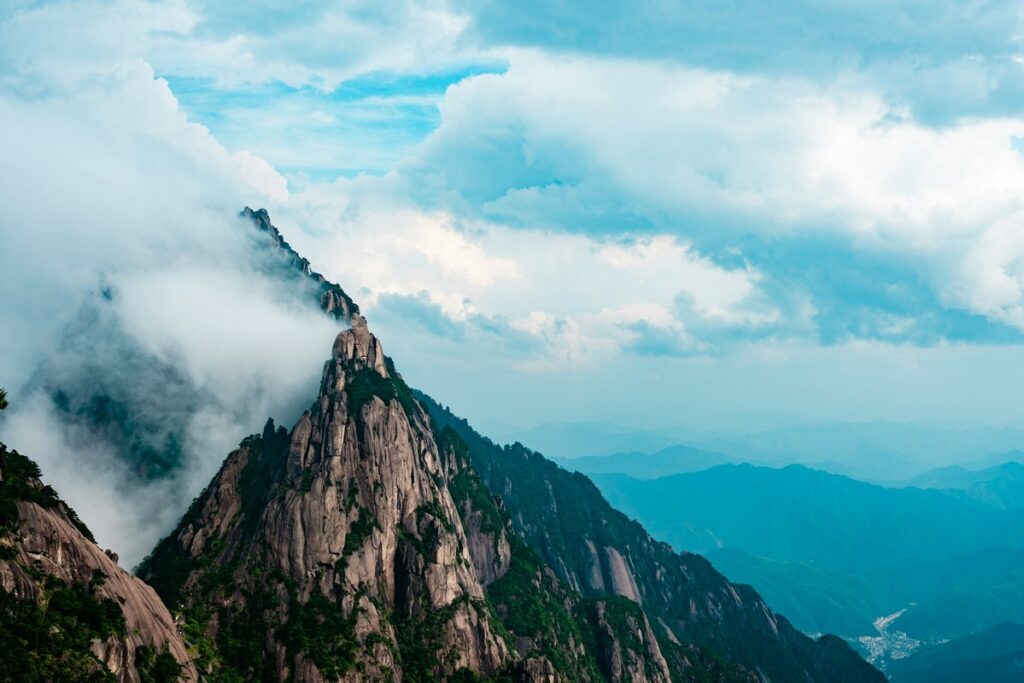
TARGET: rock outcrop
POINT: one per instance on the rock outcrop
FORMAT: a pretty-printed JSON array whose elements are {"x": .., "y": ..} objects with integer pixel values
[
  {"x": 340, "y": 538},
  {"x": 66, "y": 607}
]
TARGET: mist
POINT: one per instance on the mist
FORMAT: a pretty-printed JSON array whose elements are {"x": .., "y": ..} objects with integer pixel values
[{"x": 133, "y": 294}]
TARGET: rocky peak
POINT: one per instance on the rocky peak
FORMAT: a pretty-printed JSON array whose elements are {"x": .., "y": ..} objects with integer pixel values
[
  {"x": 377, "y": 541},
  {"x": 347, "y": 519},
  {"x": 331, "y": 297},
  {"x": 358, "y": 349}
]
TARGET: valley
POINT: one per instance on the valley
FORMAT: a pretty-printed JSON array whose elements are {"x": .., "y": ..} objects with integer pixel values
[{"x": 895, "y": 569}]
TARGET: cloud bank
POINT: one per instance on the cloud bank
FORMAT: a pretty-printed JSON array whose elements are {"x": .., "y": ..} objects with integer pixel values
[{"x": 131, "y": 289}]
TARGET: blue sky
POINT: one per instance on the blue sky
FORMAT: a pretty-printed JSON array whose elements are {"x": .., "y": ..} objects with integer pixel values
[{"x": 658, "y": 208}]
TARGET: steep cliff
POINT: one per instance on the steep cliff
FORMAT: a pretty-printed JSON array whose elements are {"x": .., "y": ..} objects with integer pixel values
[
  {"x": 67, "y": 611},
  {"x": 335, "y": 550},
  {"x": 706, "y": 626},
  {"x": 361, "y": 546}
]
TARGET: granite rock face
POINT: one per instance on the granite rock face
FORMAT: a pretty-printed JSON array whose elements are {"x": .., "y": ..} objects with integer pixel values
[
  {"x": 48, "y": 555},
  {"x": 346, "y": 520}
]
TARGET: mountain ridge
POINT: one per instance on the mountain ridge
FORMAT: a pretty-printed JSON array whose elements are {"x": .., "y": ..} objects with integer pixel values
[{"x": 381, "y": 538}]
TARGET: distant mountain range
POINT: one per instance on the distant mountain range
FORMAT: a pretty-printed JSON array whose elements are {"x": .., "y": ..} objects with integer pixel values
[
  {"x": 835, "y": 553},
  {"x": 882, "y": 452},
  {"x": 671, "y": 460},
  {"x": 1001, "y": 486},
  {"x": 797, "y": 513},
  {"x": 579, "y": 439}
]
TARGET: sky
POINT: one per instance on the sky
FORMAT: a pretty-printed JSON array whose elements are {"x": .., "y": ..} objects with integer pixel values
[{"x": 551, "y": 211}]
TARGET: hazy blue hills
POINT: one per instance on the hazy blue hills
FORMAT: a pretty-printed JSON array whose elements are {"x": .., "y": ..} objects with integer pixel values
[
  {"x": 834, "y": 553},
  {"x": 943, "y": 596},
  {"x": 815, "y": 600},
  {"x": 797, "y": 513},
  {"x": 879, "y": 451},
  {"x": 1000, "y": 486},
  {"x": 995, "y": 655},
  {"x": 671, "y": 460}
]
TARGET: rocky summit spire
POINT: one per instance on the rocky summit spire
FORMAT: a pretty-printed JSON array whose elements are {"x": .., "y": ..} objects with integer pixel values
[{"x": 335, "y": 550}]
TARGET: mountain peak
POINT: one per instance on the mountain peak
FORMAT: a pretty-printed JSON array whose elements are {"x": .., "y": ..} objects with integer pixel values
[{"x": 359, "y": 348}]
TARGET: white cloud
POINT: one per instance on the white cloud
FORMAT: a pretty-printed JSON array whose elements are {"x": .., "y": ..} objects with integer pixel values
[
  {"x": 108, "y": 187},
  {"x": 582, "y": 144},
  {"x": 320, "y": 44}
]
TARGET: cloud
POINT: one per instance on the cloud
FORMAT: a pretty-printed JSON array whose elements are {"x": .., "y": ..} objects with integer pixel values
[
  {"x": 904, "y": 49},
  {"x": 320, "y": 44},
  {"x": 739, "y": 166},
  {"x": 683, "y": 194},
  {"x": 135, "y": 298}
]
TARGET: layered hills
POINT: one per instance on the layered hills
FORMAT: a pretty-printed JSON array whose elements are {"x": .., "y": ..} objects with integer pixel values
[{"x": 843, "y": 556}]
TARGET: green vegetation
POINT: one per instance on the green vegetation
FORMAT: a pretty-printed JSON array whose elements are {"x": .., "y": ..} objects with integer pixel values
[
  {"x": 21, "y": 483},
  {"x": 420, "y": 643},
  {"x": 49, "y": 641},
  {"x": 307, "y": 480},
  {"x": 365, "y": 383},
  {"x": 528, "y": 605},
  {"x": 157, "y": 667},
  {"x": 319, "y": 629},
  {"x": 356, "y": 536},
  {"x": 402, "y": 390}
]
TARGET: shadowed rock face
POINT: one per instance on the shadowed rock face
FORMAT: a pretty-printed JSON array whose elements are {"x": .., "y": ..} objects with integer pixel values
[{"x": 48, "y": 556}]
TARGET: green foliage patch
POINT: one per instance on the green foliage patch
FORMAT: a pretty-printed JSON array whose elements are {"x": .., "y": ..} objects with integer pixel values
[{"x": 50, "y": 641}]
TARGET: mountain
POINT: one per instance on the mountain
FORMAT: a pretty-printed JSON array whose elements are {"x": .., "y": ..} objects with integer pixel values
[
  {"x": 67, "y": 611},
  {"x": 995, "y": 655},
  {"x": 798, "y": 514},
  {"x": 580, "y": 439},
  {"x": 874, "y": 451},
  {"x": 382, "y": 538},
  {"x": 337, "y": 547},
  {"x": 598, "y": 550},
  {"x": 1000, "y": 486},
  {"x": 879, "y": 451},
  {"x": 671, "y": 460},
  {"x": 835, "y": 554}
]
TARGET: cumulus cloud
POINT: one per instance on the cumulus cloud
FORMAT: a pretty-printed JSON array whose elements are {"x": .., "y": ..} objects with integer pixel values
[
  {"x": 749, "y": 169},
  {"x": 903, "y": 48},
  {"x": 135, "y": 299}
]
